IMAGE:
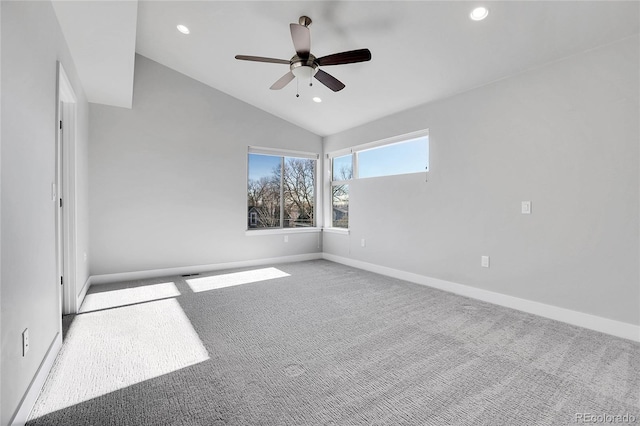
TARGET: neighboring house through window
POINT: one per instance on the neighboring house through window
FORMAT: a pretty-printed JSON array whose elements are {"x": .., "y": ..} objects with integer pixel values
[{"x": 253, "y": 217}]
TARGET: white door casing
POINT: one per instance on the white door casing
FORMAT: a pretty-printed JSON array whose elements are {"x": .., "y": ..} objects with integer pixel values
[{"x": 66, "y": 194}]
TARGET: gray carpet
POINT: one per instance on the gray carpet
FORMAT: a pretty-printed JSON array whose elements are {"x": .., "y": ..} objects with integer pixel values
[{"x": 325, "y": 344}]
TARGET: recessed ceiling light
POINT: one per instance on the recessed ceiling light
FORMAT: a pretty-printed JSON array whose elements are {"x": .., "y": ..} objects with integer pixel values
[
  {"x": 183, "y": 29},
  {"x": 317, "y": 99},
  {"x": 479, "y": 13}
]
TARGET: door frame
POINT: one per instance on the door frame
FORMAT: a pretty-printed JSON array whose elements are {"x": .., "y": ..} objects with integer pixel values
[{"x": 66, "y": 172}]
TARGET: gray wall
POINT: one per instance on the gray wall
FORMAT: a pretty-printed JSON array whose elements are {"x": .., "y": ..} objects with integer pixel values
[
  {"x": 564, "y": 136},
  {"x": 32, "y": 42},
  {"x": 0, "y": 213},
  {"x": 168, "y": 177}
]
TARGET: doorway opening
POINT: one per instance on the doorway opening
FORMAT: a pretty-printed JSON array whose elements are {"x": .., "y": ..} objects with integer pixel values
[{"x": 65, "y": 196}]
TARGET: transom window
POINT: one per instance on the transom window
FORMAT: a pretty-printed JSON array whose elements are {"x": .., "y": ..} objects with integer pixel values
[{"x": 410, "y": 156}]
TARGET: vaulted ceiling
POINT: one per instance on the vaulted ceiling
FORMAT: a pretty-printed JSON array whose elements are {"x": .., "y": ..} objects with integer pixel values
[{"x": 421, "y": 50}]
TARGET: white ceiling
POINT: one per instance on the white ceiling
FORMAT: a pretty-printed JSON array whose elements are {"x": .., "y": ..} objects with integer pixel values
[
  {"x": 101, "y": 36},
  {"x": 421, "y": 50}
]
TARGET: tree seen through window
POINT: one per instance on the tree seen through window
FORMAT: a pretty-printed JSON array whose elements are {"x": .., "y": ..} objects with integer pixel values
[{"x": 280, "y": 192}]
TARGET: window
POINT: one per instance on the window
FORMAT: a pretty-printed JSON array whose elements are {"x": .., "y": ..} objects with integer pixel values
[
  {"x": 342, "y": 168},
  {"x": 340, "y": 206},
  {"x": 411, "y": 156},
  {"x": 341, "y": 173},
  {"x": 399, "y": 155},
  {"x": 280, "y": 189}
]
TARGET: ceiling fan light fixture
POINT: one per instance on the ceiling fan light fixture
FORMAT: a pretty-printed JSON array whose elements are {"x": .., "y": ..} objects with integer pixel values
[
  {"x": 183, "y": 29},
  {"x": 317, "y": 100},
  {"x": 479, "y": 13},
  {"x": 304, "y": 72}
]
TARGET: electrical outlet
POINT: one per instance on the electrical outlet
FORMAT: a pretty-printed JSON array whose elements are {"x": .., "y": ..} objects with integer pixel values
[
  {"x": 25, "y": 342},
  {"x": 85, "y": 256},
  {"x": 484, "y": 261},
  {"x": 362, "y": 242},
  {"x": 286, "y": 238}
]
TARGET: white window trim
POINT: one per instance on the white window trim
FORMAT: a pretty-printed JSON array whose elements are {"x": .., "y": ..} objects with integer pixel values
[
  {"x": 277, "y": 152},
  {"x": 277, "y": 231},
  {"x": 354, "y": 150},
  {"x": 406, "y": 137},
  {"x": 339, "y": 153},
  {"x": 334, "y": 230},
  {"x": 390, "y": 141}
]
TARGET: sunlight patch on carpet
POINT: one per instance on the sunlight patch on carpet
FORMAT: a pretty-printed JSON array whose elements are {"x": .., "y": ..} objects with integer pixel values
[
  {"x": 236, "y": 278},
  {"x": 112, "y": 349},
  {"x": 128, "y": 296}
]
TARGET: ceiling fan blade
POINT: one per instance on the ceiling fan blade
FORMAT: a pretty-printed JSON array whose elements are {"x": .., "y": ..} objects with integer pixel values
[
  {"x": 330, "y": 81},
  {"x": 301, "y": 39},
  {"x": 350, "y": 57},
  {"x": 262, "y": 59},
  {"x": 283, "y": 81}
]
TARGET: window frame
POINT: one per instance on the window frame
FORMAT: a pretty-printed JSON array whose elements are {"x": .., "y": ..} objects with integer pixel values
[
  {"x": 338, "y": 182},
  {"x": 354, "y": 151},
  {"x": 283, "y": 154}
]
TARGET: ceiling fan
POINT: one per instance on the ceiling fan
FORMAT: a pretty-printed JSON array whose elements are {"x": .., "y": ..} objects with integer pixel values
[{"x": 304, "y": 65}]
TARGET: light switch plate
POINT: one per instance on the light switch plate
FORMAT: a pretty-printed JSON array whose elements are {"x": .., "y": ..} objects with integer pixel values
[
  {"x": 526, "y": 207},
  {"x": 484, "y": 261},
  {"x": 25, "y": 342}
]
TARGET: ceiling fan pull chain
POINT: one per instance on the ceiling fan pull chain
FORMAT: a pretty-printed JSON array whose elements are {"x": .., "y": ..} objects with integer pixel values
[{"x": 297, "y": 88}]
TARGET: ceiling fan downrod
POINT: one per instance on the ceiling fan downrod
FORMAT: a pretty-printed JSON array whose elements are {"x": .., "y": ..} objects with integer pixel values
[{"x": 305, "y": 20}]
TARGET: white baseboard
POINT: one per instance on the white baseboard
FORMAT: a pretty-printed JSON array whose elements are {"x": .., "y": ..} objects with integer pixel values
[
  {"x": 82, "y": 294},
  {"x": 604, "y": 325},
  {"x": 183, "y": 270},
  {"x": 28, "y": 401}
]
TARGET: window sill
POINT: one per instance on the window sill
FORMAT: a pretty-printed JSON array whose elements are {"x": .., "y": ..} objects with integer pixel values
[
  {"x": 278, "y": 231},
  {"x": 343, "y": 231}
]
